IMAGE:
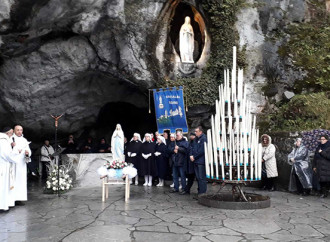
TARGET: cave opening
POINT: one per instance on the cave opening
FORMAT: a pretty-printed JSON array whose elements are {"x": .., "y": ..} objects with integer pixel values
[
  {"x": 132, "y": 119},
  {"x": 181, "y": 11}
]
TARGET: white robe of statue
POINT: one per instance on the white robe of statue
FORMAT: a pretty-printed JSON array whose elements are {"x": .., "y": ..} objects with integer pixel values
[
  {"x": 6, "y": 195},
  {"x": 187, "y": 42},
  {"x": 117, "y": 143},
  {"x": 20, "y": 189}
]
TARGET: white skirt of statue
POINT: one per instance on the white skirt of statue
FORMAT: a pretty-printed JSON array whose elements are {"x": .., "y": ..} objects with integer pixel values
[
  {"x": 117, "y": 144},
  {"x": 187, "y": 42}
]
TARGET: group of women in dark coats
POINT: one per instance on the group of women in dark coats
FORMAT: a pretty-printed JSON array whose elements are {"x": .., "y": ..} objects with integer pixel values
[{"x": 148, "y": 157}]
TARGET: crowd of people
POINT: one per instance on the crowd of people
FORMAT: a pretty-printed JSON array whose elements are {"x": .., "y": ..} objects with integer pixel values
[
  {"x": 89, "y": 146},
  {"x": 306, "y": 176},
  {"x": 158, "y": 157}
]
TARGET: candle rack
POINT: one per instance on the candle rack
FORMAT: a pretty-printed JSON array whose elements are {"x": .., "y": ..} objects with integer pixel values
[{"x": 233, "y": 133}]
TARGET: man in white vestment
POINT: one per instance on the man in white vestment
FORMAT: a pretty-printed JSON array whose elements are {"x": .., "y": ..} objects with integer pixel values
[
  {"x": 6, "y": 194},
  {"x": 22, "y": 151}
]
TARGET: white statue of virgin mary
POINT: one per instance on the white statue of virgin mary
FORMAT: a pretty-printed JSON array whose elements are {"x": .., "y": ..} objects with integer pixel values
[
  {"x": 117, "y": 143},
  {"x": 187, "y": 42}
]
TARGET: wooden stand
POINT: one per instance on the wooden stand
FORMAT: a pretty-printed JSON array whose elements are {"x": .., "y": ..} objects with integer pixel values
[{"x": 105, "y": 187}]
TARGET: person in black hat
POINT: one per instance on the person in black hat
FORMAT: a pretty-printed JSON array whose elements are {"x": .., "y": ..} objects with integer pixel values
[{"x": 190, "y": 170}]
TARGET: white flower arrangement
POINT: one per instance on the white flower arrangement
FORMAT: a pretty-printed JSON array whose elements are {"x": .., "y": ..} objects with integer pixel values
[{"x": 64, "y": 183}]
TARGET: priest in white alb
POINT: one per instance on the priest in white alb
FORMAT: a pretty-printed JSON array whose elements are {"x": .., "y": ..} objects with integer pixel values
[
  {"x": 23, "y": 152},
  {"x": 6, "y": 159}
]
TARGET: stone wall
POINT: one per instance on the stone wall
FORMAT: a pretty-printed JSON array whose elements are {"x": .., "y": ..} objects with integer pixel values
[{"x": 74, "y": 57}]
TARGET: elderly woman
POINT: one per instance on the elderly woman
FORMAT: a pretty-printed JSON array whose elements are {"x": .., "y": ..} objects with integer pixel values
[
  {"x": 269, "y": 160},
  {"x": 301, "y": 172},
  {"x": 161, "y": 159}
]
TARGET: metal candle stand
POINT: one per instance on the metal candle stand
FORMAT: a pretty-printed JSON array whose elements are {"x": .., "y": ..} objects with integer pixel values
[{"x": 233, "y": 153}]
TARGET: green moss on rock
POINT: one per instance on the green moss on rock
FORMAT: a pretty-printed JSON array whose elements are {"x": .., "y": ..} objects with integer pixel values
[
  {"x": 303, "y": 112},
  {"x": 309, "y": 48}
]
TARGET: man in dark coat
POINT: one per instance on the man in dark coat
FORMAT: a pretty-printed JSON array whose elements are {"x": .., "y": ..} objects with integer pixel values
[
  {"x": 197, "y": 155},
  {"x": 179, "y": 157},
  {"x": 321, "y": 164},
  {"x": 133, "y": 154},
  {"x": 190, "y": 169}
]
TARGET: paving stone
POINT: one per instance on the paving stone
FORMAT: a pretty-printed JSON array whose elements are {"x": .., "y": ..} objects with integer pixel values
[
  {"x": 283, "y": 236},
  {"x": 153, "y": 228},
  {"x": 101, "y": 233},
  {"x": 223, "y": 231},
  {"x": 227, "y": 238},
  {"x": 160, "y": 237},
  {"x": 198, "y": 239},
  {"x": 252, "y": 226},
  {"x": 154, "y": 215},
  {"x": 305, "y": 230}
]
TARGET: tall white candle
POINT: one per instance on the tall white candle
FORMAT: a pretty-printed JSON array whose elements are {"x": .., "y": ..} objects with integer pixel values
[
  {"x": 233, "y": 79},
  {"x": 225, "y": 83},
  {"x": 224, "y": 138},
  {"x": 215, "y": 158},
  {"x": 237, "y": 150},
  {"x": 210, "y": 153},
  {"x": 246, "y": 156},
  {"x": 259, "y": 161},
  {"x": 207, "y": 167},
  {"x": 251, "y": 155},
  {"x": 235, "y": 106},
  {"x": 256, "y": 143},
  {"x": 231, "y": 138}
]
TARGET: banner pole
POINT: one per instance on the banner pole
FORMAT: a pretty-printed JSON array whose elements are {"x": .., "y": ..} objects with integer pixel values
[
  {"x": 149, "y": 102},
  {"x": 186, "y": 99}
]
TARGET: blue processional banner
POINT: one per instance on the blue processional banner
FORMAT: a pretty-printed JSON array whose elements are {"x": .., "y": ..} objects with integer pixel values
[{"x": 170, "y": 110}]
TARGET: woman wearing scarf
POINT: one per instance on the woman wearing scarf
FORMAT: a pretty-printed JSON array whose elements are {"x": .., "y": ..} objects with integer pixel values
[
  {"x": 161, "y": 159},
  {"x": 148, "y": 164},
  {"x": 268, "y": 158},
  {"x": 134, "y": 154},
  {"x": 301, "y": 172}
]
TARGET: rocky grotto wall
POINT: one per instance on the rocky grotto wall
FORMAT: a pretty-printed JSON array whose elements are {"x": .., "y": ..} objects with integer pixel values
[{"x": 84, "y": 56}]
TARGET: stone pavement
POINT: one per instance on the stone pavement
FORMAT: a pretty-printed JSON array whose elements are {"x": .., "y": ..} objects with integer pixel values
[{"x": 154, "y": 214}]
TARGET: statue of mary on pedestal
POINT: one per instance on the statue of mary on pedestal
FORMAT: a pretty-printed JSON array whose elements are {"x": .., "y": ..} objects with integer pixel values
[
  {"x": 117, "y": 144},
  {"x": 187, "y": 42}
]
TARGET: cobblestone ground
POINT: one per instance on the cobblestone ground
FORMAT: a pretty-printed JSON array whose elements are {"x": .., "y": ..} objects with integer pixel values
[{"x": 154, "y": 214}]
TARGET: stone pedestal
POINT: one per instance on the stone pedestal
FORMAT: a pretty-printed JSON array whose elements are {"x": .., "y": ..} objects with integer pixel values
[{"x": 85, "y": 166}]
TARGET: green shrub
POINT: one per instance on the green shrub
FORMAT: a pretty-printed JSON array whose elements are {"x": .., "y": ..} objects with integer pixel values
[{"x": 303, "y": 112}]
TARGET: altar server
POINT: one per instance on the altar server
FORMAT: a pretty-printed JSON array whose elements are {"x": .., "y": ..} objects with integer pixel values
[
  {"x": 148, "y": 165},
  {"x": 6, "y": 199},
  {"x": 161, "y": 159},
  {"x": 134, "y": 154},
  {"x": 22, "y": 151}
]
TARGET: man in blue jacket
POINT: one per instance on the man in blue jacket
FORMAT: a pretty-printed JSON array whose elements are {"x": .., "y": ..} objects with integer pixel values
[{"x": 197, "y": 156}]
